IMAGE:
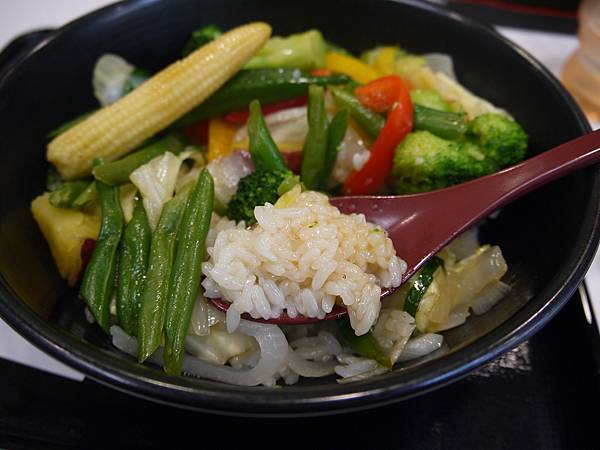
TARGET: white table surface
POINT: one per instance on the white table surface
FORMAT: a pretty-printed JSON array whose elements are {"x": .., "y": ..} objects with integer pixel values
[{"x": 20, "y": 16}]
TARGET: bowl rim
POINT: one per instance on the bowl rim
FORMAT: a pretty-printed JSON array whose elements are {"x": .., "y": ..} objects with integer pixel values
[{"x": 208, "y": 396}]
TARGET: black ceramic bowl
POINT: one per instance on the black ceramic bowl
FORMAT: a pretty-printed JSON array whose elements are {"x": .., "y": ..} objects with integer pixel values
[{"x": 548, "y": 237}]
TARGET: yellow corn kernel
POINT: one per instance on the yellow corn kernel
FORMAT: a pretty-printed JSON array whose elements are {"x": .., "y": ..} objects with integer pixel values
[
  {"x": 65, "y": 231},
  {"x": 385, "y": 61},
  {"x": 354, "y": 68},
  {"x": 220, "y": 138},
  {"x": 117, "y": 129}
]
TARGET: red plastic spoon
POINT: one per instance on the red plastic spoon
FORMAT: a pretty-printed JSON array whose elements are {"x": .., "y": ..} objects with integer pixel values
[{"x": 420, "y": 225}]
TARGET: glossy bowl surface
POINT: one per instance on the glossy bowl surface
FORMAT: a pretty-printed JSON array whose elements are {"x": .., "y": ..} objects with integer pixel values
[{"x": 548, "y": 237}]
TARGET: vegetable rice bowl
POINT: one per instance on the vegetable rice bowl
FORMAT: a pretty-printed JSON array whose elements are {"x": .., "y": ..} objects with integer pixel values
[{"x": 209, "y": 183}]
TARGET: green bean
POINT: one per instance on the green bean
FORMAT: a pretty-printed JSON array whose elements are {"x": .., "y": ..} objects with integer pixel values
[
  {"x": 337, "y": 132},
  {"x": 370, "y": 121},
  {"x": 133, "y": 263},
  {"x": 98, "y": 279},
  {"x": 185, "y": 278},
  {"x": 117, "y": 172},
  {"x": 315, "y": 144},
  {"x": 160, "y": 262},
  {"x": 444, "y": 124},
  {"x": 263, "y": 150},
  {"x": 63, "y": 195}
]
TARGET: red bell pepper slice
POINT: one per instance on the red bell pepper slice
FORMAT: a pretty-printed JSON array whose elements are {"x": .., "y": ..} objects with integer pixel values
[
  {"x": 241, "y": 117},
  {"x": 384, "y": 94}
]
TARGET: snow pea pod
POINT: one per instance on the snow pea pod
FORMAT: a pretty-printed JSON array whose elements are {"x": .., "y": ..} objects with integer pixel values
[{"x": 185, "y": 278}]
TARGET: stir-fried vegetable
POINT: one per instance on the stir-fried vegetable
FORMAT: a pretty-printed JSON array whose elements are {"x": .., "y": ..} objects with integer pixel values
[
  {"x": 365, "y": 345},
  {"x": 117, "y": 172},
  {"x": 384, "y": 94},
  {"x": 185, "y": 277},
  {"x": 117, "y": 129},
  {"x": 98, "y": 280},
  {"x": 322, "y": 141},
  {"x": 133, "y": 263},
  {"x": 160, "y": 265},
  {"x": 302, "y": 51},
  {"x": 265, "y": 85}
]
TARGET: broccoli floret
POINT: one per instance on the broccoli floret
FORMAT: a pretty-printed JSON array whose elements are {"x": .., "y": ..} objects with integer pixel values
[
  {"x": 424, "y": 161},
  {"x": 201, "y": 37},
  {"x": 502, "y": 140},
  {"x": 253, "y": 190}
]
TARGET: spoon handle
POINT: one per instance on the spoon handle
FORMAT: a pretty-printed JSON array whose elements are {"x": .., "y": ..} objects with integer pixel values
[
  {"x": 433, "y": 219},
  {"x": 498, "y": 189}
]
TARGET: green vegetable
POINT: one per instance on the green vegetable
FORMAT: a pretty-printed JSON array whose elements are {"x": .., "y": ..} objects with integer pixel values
[
  {"x": 422, "y": 281},
  {"x": 200, "y": 38},
  {"x": 370, "y": 121},
  {"x": 185, "y": 278},
  {"x": 262, "y": 148},
  {"x": 502, "y": 140},
  {"x": 86, "y": 197},
  {"x": 424, "y": 161},
  {"x": 134, "y": 80},
  {"x": 337, "y": 132},
  {"x": 63, "y": 195},
  {"x": 255, "y": 189},
  {"x": 322, "y": 141},
  {"x": 160, "y": 263},
  {"x": 315, "y": 144},
  {"x": 117, "y": 172},
  {"x": 444, "y": 124},
  {"x": 133, "y": 262},
  {"x": 288, "y": 183},
  {"x": 303, "y": 51},
  {"x": 264, "y": 85},
  {"x": 365, "y": 345},
  {"x": 430, "y": 99},
  {"x": 98, "y": 279}
]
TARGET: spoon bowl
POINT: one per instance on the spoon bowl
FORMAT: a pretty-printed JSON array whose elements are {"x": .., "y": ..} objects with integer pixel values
[{"x": 420, "y": 225}]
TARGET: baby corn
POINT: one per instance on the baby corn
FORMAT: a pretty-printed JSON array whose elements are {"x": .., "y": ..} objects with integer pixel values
[{"x": 117, "y": 129}]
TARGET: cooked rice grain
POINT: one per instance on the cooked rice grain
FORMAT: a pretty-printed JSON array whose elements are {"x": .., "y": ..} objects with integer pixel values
[{"x": 302, "y": 258}]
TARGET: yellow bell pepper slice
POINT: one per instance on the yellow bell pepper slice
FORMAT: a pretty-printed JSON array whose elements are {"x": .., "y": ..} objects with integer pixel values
[
  {"x": 347, "y": 65},
  {"x": 220, "y": 138},
  {"x": 385, "y": 61}
]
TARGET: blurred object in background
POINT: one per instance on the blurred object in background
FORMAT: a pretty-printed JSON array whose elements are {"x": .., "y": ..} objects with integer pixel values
[{"x": 581, "y": 73}]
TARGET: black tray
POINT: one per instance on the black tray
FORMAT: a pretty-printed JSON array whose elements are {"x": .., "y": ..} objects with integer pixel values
[{"x": 539, "y": 396}]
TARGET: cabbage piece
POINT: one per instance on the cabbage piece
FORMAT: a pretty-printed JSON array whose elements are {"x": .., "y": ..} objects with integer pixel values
[
  {"x": 453, "y": 291},
  {"x": 218, "y": 346},
  {"x": 156, "y": 182},
  {"x": 114, "y": 77},
  {"x": 393, "y": 330},
  {"x": 303, "y": 51}
]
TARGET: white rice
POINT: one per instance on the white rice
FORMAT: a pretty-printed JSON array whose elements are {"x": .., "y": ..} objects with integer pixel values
[{"x": 301, "y": 258}]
